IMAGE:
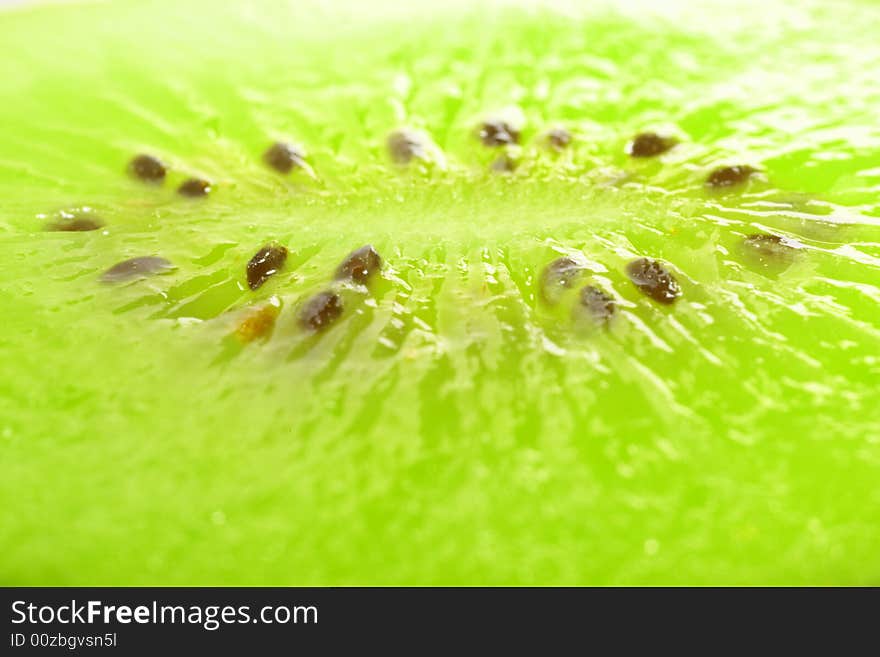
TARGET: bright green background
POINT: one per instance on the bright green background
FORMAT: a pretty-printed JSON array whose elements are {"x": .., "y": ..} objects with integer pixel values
[{"x": 450, "y": 429}]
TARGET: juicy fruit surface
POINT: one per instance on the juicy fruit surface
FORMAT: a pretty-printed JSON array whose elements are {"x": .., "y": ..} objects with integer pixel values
[{"x": 444, "y": 425}]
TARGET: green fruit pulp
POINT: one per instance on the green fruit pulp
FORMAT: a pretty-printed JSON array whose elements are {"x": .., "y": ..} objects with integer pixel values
[{"x": 450, "y": 428}]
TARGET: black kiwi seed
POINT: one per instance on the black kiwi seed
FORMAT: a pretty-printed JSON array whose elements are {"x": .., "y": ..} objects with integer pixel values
[
  {"x": 320, "y": 311},
  {"x": 283, "y": 157},
  {"x": 730, "y": 176},
  {"x": 147, "y": 168},
  {"x": 498, "y": 133},
  {"x": 654, "y": 280},
  {"x": 136, "y": 268},
  {"x": 194, "y": 188},
  {"x": 70, "y": 222},
  {"x": 266, "y": 262},
  {"x": 560, "y": 273},
  {"x": 360, "y": 265},
  {"x": 649, "y": 144},
  {"x": 598, "y": 303},
  {"x": 405, "y": 145},
  {"x": 559, "y": 138}
]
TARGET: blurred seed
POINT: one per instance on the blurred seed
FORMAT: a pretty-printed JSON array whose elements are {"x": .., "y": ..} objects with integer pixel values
[
  {"x": 498, "y": 133},
  {"x": 147, "y": 168},
  {"x": 405, "y": 145},
  {"x": 75, "y": 222},
  {"x": 650, "y": 144},
  {"x": 194, "y": 187},
  {"x": 558, "y": 139},
  {"x": 557, "y": 277},
  {"x": 730, "y": 176},
  {"x": 320, "y": 311},
  {"x": 259, "y": 322},
  {"x": 136, "y": 268},
  {"x": 504, "y": 164},
  {"x": 598, "y": 303},
  {"x": 769, "y": 250},
  {"x": 283, "y": 157}
]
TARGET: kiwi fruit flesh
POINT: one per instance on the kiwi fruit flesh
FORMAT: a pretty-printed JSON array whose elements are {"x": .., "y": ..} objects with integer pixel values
[{"x": 439, "y": 422}]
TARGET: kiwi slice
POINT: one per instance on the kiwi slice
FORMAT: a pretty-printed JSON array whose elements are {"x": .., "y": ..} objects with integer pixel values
[{"x": 392, "y": 294}]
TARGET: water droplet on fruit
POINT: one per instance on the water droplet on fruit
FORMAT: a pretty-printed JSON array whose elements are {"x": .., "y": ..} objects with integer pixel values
[
  {"x": 654, "y": 280},
  {"x": 498, "y": 133},
  {"x": 147, "y": 168},
  {"x": 730, "y": 176},
  {"x": 598, "y": 303},
  {"x": 136, "y": 268},
  {"x": 557, "y": 277},
  {"x": 320, "y": 311},
  {"x": 360, "y": 265},
  {"x": 283, "y": 157},
  {"x": 266, "y": 262},
  {"x": 194, "y": 187},
  {"x": 649, "y": 144}
]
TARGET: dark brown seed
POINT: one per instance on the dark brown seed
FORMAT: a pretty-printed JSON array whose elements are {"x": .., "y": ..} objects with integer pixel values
[
  {"x": 558, "y": 276},
  {"x": 266, "y": 262},
  {"x": 360, "y": 265},
  {"x": 649, "y": 144},
  {"x": 320, "y": 311},
  {"x": 730, "y": 176},
  {"x": 136, "y": 268},
  {"x": 654, "y": 280},
  {"x": 405, "y": 146},
  {"x": 498, "y": 133},
  {"x": 194, "y": 187},
  {"x": 559, "y": 138},
  {"x": 147, "y": 168},
  {"x": 504, "y": 164},
  {"x": 598, "y": 303},
  {"x": 283, "y": 157},
  {"x": 75, "y": 223},
  {"x": 769, "y": 247}
]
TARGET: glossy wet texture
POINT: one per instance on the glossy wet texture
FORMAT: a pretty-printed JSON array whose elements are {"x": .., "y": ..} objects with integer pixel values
[
  {"x": 266, "y": 262},
  {"x": 449, "y": 427}
]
